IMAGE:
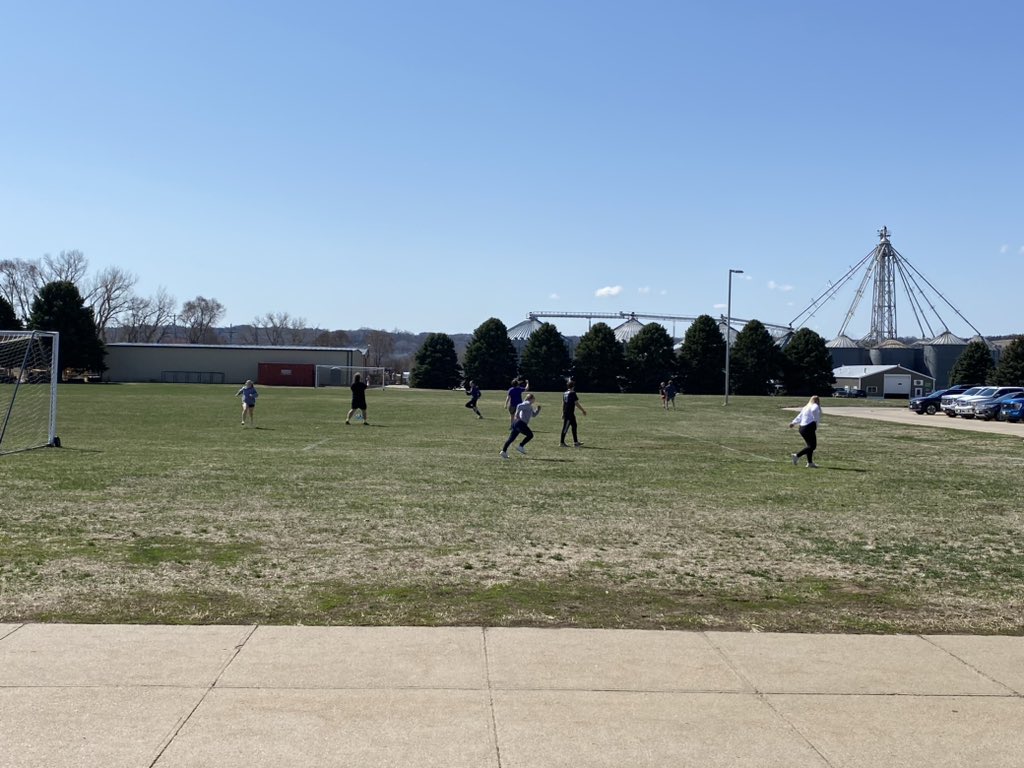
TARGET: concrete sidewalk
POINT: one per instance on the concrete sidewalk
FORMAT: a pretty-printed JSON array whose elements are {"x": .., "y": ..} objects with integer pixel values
[{"x": 172, "y": 696}]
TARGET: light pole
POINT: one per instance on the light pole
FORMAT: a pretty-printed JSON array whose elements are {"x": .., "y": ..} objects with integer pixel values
[{"x": 728, "y": 331}]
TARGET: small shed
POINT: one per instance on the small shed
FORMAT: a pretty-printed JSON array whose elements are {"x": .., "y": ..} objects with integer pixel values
[{"x": 884, "y": 380}]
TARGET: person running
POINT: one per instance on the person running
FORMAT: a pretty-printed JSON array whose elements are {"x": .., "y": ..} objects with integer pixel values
[
  {"x": 807, "y": 422},
  {"x": 358, "y": 400},
  {"x": 570, "y": 402},
  {"x": 515, "y": 396},
  {"x": 474, "y": 394},
  {"x": 249, "y": 395},
  {"x": 521, "y": 426}
]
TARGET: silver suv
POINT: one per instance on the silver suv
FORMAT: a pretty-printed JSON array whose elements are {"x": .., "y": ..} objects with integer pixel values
[{"x": 949, "y": 401}]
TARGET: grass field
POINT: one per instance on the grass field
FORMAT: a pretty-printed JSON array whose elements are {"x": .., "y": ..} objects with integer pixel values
[{"x": 161, "y": 507}]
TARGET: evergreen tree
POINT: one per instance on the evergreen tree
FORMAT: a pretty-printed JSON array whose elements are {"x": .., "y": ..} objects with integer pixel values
[
  {"x": 974, "y": 366},
  {"x": 8, "y": 319},
  {"x": 490, "y": 357},
  {"x": 600, "y": 360},
  {"x": 755, "y": 360},
  {"x": 650, "y": 359},
  {"x": 1010, "y": 371},
  {"x": 436, "y": 365},
  {"x": 702, "y": 357},
  {"x": 60, "y": 307},
  {"x": 807, "y": 365},
  {"x": 545, "y": 360}
]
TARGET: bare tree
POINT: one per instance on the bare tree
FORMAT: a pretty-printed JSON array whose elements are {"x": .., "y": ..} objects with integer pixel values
[
  {"x": 331, "y": 339},
  {"x": 199, "y": 315},
  {"x": 70, "y": 266},
  {"x": 110, "y": 294},
  {"x": 381, "y": 345},
  {"x": 20, "y": 280},
  {"x": 280, "y": 329},
  {"x": 146, "y": 319}
]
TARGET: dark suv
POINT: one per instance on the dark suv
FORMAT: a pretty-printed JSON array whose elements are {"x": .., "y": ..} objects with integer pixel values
[{"x": 932, "y": 404}]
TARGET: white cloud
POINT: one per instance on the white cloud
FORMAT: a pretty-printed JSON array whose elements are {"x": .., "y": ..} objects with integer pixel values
[
  {"x": 719, "y": 306},
  {"x": 1004, "y": 248},
  {"x": 553, "y": 296},
  {"x": 608, "y": 290},
  {"x": 773, "y": 286},
  {"x": 1022, "y": 250},
  {"x": 646, "y": 289},
  {"x": 663, "y": 292}
]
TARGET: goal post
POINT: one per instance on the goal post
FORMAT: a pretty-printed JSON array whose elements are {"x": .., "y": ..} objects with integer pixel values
[
  {"x": 344, "y": 375},
  {"x": 28, "y": 390}
]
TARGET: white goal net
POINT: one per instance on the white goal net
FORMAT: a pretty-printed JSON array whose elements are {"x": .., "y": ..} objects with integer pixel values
[
  {"x": 344, "y": 375},
  {"x": 28, "y": 390}
]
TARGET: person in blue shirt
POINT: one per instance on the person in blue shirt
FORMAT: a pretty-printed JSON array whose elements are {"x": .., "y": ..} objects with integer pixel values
[
  {"x": 248, "y": 394},
  {"x": 474, "y": 394},
  {"x": 515, "y": 396},
  {"x": 670, "y": 394}
]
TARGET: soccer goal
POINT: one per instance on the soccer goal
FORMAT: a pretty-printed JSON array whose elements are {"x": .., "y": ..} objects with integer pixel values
[
  {"x": 28, "y": 390},
  {"x": 343, "y": 375}
]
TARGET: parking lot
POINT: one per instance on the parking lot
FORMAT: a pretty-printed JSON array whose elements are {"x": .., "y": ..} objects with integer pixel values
[{"x": 906, "y": 416}]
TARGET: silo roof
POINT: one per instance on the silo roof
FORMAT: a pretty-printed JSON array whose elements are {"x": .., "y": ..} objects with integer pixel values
[
  {"x": 628, "y": 329},
  {"x": 522, "y": 331},
  {"x": 842, "y": 342},
  {"x": 947, "y": 338}
]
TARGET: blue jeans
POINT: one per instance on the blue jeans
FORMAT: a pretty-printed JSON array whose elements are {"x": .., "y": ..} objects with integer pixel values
[{"x": 519, "y": 428}]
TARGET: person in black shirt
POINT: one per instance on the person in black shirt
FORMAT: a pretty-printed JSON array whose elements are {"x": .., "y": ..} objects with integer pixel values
[
  {"x": 358, "y": 399},
  {"x": 570, "y": 402}
]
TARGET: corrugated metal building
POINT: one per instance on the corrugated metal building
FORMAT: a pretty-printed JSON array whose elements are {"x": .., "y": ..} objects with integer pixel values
[
  {"x": 218, "y": 364},
  {"x": 884, "y": 380}
]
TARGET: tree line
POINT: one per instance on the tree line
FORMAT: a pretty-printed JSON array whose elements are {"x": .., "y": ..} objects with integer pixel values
[{"x": 601, "y": 363}]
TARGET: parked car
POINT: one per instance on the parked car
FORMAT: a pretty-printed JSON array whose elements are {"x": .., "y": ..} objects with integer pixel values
[
  {"x": 1012, "y": 410},
  {"x": 848, "y": 392},
  {"x": 949, "y": 401},
  {"x": 931, "y": 404},
  {"x": 964, "y": 406},
  {"x": 989, "y": 408}
]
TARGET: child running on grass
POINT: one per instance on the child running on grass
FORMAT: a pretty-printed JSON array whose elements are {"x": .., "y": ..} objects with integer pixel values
[
  {"x": 249, "y": 395},
  {"x": 474, "y": 394},
  {"x": 521, "y": 426}
]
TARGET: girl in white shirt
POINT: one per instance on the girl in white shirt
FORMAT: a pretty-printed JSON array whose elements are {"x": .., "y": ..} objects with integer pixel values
[{"x": 807, "y": 423}]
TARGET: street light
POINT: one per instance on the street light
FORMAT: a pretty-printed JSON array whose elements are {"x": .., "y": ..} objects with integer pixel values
[{"x": 728, "y": 331}]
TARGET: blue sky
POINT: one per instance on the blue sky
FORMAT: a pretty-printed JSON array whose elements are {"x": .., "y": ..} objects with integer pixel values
[{"x": 427, "y": 165}]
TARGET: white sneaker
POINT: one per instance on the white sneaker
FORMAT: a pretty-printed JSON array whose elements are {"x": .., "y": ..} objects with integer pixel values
[
  {"x": 521, "y": 449},
  {"x": 811, "y": 465},
  {"x": 503, "y": 455},
  {"x": 795, "y": 458}
]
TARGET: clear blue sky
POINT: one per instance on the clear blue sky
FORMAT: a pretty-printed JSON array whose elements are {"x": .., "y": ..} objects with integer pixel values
[{"x": 428, "y": 165}]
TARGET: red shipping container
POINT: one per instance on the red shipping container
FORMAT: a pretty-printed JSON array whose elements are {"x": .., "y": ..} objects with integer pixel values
[{"x": 286, "y": 374}]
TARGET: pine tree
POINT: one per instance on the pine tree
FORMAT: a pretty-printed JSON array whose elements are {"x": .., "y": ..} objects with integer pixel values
[
  {"x": 755, "y": 361},
  {"x": 702, "y": 357},
  {"x": 436, "y": 365},
  {"x": 60, "y": 307},
  {"x": 600, "y": 360},
  {"x": 807, "y": 365},
  {"x": 974, "y": 366},
  {"x": 545, "y": 359},
  {"x": 490, "y": 357},
  {"x": 1010, "y": 371},
  {"x": 650, "y": 359},
  {"x": 8, "y": 318}
]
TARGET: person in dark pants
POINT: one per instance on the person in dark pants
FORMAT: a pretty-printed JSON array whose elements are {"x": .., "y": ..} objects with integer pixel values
[
  {"x": 807, "y": 423},
  {"x": 474, "y": 394},
  {"x": 570, "y": 402},
  {"x": 521, "y": 426},
  {"x": 358, "y": 399}
]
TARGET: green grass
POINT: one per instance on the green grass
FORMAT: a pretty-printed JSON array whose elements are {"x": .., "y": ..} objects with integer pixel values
[{"x": 161, "y": 507}]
